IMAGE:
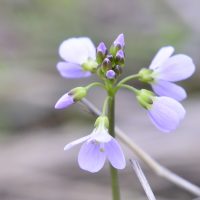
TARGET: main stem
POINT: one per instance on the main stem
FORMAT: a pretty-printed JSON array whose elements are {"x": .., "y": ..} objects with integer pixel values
[{"x": 113, "y": 171}]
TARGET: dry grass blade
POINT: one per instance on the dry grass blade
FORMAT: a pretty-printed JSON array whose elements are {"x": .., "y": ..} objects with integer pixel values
[{"x": 142, "y": 179}]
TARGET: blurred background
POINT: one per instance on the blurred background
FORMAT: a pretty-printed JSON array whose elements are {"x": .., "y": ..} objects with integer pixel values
[{"x": 33, "y": 165}]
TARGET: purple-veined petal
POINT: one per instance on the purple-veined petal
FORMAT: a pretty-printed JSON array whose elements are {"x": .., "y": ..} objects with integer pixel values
[
  {"x": 90, "y": 157},
  {"x": 77, "y": 50},
  {"x": 76, "y": 142},
  {"x": 115, "y": 154},
  {"x": 176, "y": 68},
  {"x": 65, "y": 101},
  {"x": 165, "y": 88},
  {"x": 70, "y": 70},
  {"x": 166, "y": 113},
  {"x": 163, "y": 54},
  {"x": 174, "y": 105}
]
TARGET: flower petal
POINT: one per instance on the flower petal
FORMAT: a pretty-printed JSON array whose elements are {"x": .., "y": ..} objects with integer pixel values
[
  {"x": 165, "y": 88},
  {"x": 163, "y": 54},
  {"x": 176, "y": 68},
  {"x": 90, "y": 157},
  {"x": 76, "y": 142},
  {"x": 174, "y": 105},
  {"x": 70, "y": 70},
  {"x": 77, "y": 50},
  {"x": 101, "y": 135},
  {"x": 65, "y": 101},
  {"x": 115, "y": 154},
  {"x": 91, "y": 49},
  {"x": 166, "y": 113}
]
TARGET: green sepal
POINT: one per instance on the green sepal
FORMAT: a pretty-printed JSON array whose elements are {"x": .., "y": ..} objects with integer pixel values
[
  {"x": 103, "y": 120},
  {"x": 146, "y": 75},
  {"x": 145, "y": 98},
  {"x": 90, "y": 65},
  {"x": 78, "y": 93}
]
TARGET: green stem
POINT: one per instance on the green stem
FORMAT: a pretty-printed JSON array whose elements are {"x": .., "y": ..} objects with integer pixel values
[
  {"x": 94, "y": 84},
  {"x": 105, "y": 106},
  {"x": 113, "y": 171},
  {"x": 128, "y": 78},
  {"x": 131, "y": 88}
]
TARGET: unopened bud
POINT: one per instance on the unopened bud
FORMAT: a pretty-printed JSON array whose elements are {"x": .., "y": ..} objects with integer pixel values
[
  {"x": 106, "y": 65},
  {"x": 120, "y": 57},
  {"x": 119, "y": 42},
  {"x": 118, "y": 70},
  {"x": 101, "y": 52},
  {"x": 110, "y": 74}
]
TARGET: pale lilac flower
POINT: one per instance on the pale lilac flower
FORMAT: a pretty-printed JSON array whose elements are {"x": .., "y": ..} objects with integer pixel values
[
  {"x": 77, "y": 53},
  {"x": 165, "y": 113},
  {"x": 98, "y": 146},
  {"x": 168, "y": 69},
  {"x": 110, "y": 74}
]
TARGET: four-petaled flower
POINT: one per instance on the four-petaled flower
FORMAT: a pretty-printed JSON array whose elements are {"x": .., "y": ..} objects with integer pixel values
[
  {"x": 98, "y": 146},
  {"x": 80, "y": 57},
  {"x": 167, "y": 70}
]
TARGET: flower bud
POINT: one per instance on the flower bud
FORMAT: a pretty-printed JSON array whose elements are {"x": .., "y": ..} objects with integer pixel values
[
  {"x": 106, "y": 65},
  {"x": 120, "y": 57},
  {"x": 110, "y": 74},
  {"x": 118, "y": 70},
  {"x": 117, "y": 44},
  {"x": 101, "y": 52},
  {"x": 110, "y": 57}
]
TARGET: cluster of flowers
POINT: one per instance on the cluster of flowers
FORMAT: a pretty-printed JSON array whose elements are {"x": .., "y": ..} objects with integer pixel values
[{"x": 82, "y": 59}]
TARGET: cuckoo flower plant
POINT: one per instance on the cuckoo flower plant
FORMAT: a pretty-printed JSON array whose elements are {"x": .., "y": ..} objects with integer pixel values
[{"x": 82, "y": 58}]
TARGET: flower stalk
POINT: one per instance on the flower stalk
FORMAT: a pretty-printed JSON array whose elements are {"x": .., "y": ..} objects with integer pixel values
[{"x": 113, "y": 171}]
